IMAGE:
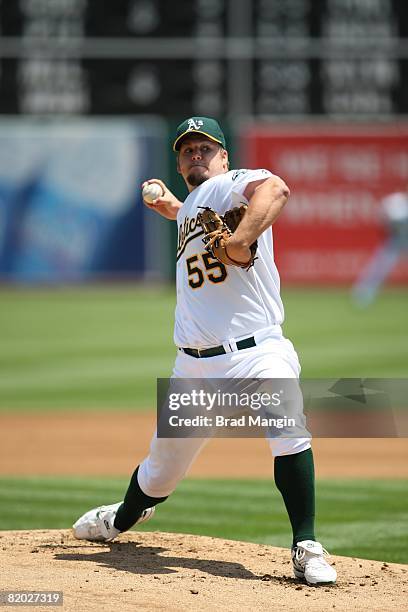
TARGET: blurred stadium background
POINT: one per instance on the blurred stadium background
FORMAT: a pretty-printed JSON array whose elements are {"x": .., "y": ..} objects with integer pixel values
[{"x": 90, "y": 95}]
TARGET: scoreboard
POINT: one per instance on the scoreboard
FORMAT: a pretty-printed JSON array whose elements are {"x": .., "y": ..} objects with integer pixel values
[{"x": 260, "y": 58}]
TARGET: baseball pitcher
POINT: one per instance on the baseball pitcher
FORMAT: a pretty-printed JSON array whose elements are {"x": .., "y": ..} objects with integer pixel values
[{"x": 227, "y": 325}]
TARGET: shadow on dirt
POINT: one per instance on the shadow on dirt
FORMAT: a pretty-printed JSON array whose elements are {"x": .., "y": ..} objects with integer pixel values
[{"x": 138, "y": 559}]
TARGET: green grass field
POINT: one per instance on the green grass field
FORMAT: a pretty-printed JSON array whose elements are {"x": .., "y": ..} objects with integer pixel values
[
  {"x": 103, "y": 347},
  {"x": 356, "y": 518}
]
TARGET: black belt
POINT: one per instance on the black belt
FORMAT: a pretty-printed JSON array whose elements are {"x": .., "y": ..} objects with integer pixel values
[{"x": 218, "y": 350}]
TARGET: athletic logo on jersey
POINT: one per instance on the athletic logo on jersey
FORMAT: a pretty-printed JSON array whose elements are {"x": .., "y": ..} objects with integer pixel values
[
  {"x": 194, "y": 125},
  {"x": 237, "y": 173},
  {"x": 187, "y": 231}
]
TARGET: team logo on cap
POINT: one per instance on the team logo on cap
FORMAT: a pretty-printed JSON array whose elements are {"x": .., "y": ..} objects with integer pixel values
[{"x": 194, "y": 125}]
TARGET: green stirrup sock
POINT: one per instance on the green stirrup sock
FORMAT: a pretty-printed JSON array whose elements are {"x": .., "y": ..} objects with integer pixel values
[
  {"x": 133, "y": 505},
  {"x": 294, "y": 477}
]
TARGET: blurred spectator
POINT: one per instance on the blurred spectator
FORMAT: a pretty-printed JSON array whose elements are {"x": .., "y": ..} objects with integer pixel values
[{"x": 394, "y": 213}]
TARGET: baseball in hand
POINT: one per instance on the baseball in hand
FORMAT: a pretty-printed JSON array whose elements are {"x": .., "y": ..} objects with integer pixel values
[{"x": 151, "y": 192}]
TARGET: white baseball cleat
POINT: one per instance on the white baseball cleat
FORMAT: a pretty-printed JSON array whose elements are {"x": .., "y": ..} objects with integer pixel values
[
  {"x": 308, "y": 558},
  {"x": 97, "y": 524}
]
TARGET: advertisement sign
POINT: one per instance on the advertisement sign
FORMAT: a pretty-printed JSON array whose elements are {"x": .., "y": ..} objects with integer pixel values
[
  {"x": 70, "y": 199},
  {"x": 333, "y": 222}
]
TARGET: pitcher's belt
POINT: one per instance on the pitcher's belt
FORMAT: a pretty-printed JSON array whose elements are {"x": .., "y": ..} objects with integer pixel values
[{"x": 218, "y": 350}]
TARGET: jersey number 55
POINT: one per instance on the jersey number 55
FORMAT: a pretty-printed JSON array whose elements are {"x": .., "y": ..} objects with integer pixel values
[{"x": 214, "y": 270}]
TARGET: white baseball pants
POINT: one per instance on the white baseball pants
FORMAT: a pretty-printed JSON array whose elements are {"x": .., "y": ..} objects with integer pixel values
[{"x": 170, "y": 458}]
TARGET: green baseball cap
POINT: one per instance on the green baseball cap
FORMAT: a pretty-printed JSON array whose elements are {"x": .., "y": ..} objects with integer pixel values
[{"x": 199, "y": 125}]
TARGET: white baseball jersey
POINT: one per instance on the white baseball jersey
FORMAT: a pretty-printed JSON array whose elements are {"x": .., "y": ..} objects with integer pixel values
[{"x": 216, "y": 303}]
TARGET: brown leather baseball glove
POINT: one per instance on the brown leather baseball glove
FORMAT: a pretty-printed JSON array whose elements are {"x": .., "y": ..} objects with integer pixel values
[{"x": 219, "y": 229}]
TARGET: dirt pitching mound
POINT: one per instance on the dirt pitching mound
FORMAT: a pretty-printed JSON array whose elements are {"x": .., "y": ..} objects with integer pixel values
[{"x": 166, "y": 571}]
